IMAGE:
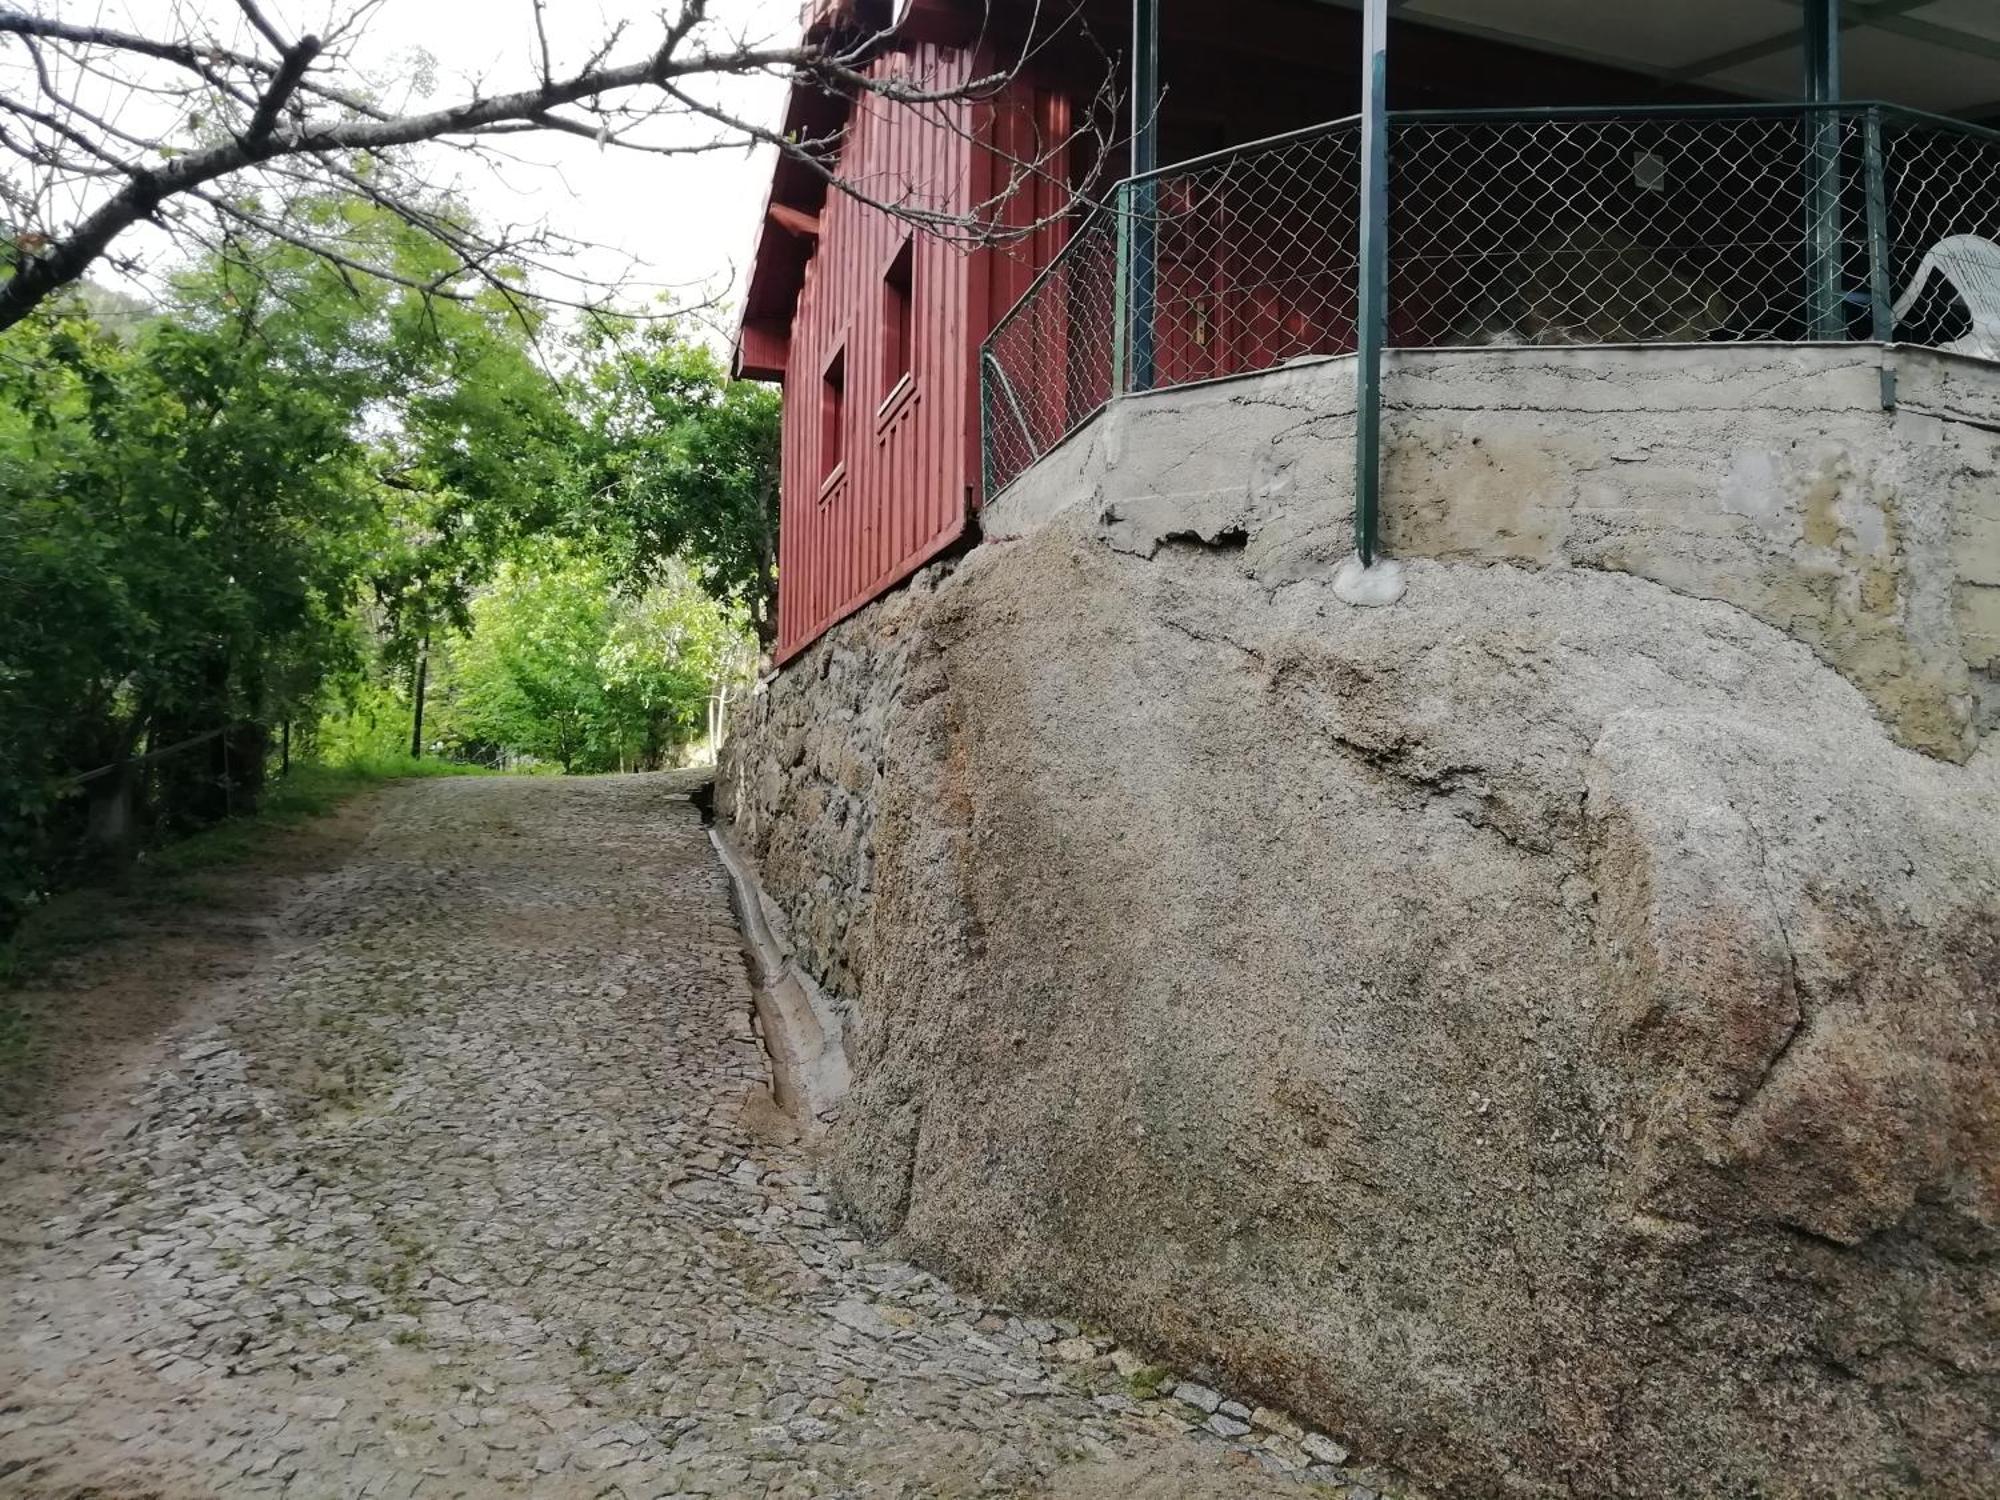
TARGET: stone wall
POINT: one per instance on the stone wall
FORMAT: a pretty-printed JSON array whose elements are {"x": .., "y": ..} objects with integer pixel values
[
  {"x": 799, "y": 785},
  {"x": 1544, "y": 1031}
]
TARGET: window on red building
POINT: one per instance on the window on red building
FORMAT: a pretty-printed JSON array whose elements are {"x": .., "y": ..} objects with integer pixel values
[
  {"x": 898, "y": 319},
  {"x": 832, "y": 414}
]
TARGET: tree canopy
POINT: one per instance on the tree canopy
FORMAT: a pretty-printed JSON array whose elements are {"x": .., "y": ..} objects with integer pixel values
[
  {"x": 288, "y": 486},
  {"x": 681, "y": 461},
  {"x": 562, "y": 665},
  {"x": 256, "y": 123}
]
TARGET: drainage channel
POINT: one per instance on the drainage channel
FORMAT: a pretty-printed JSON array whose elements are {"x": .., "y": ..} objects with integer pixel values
[{"x": 801, "y": 1031}]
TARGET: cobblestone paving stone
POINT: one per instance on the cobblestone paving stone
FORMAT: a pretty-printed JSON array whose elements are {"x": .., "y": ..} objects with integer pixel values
[{"x": 470, "y": 1186}]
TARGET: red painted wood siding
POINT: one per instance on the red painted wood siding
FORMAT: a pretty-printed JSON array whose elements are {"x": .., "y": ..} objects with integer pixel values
[
  {"x": 899, "y": 497},
  {"x": 906, "y": 482}
]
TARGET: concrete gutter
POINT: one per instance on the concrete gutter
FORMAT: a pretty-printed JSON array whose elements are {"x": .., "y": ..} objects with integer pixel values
[{"x": 801, "y": 1031}]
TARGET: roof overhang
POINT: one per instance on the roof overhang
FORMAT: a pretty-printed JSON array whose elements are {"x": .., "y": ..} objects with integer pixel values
[
  {"x": 789, "y": 227},
  {"x": 786, "y": 233},
  {"x": 1939, "y": 55}
]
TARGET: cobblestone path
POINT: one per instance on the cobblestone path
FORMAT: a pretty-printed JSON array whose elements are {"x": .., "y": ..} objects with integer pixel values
[{"x": 467, "y": 1184}]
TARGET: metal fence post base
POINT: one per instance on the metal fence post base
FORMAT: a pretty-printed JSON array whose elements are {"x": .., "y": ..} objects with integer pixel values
[{"x": 1371, "y": 310}]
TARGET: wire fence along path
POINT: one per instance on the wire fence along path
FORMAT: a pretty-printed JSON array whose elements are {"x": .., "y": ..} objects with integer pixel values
[
  {"x": 149, "y": 758},
  {"x": 1779, "y": 223}
]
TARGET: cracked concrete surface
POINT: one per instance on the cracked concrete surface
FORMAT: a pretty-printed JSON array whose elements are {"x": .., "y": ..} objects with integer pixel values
[
  {"x": 1765, "y": 477},
  {"x": 465, "y": 1182}
]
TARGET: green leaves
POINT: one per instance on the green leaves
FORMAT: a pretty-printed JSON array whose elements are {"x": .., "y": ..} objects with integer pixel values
[
  {"x": 561, "y": 665},
  {"x": 680, "y": 463},
  {"x": 189, "y": 508},
  {"x": 239, "y": 506}
]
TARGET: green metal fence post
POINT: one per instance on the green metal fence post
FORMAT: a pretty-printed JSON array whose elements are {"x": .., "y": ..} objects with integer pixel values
[
  {"x": 985, "y": 425},
  {"x": 1826, "y": 309},
  {"x": 1142, "y": 261},
  {"x": 1121, "y": 281},
  {"x": 1372, "y": 306},
  {"x": 1881, "y": 296},
  {"x": 1144, "y": 190}
]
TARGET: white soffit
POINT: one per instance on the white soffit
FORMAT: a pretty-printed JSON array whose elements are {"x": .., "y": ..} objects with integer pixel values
[
  {"x": 1980, "y": 18},
  {"x": 1887, "y": 67}
]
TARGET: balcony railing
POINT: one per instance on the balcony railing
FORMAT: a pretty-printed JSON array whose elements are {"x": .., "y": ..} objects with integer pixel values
[{"x": 1780, "y": 223}]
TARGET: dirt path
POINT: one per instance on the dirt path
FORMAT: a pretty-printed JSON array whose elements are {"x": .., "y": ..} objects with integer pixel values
[{"x": 457, "y": 1177}]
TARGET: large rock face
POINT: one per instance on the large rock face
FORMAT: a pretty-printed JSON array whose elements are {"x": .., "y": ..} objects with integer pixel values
[{"x": 1545, "y": 1030}]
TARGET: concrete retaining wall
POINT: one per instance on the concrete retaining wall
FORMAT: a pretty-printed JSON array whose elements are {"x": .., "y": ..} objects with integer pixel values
[{"x": 1768, "y": 477}]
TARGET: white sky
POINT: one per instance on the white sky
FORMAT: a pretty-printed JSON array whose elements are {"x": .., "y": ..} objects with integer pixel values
[{"x": 664, "y": 220}]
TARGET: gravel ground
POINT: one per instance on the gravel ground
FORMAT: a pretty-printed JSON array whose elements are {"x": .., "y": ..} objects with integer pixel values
[{"x": 463, "y": 1180}]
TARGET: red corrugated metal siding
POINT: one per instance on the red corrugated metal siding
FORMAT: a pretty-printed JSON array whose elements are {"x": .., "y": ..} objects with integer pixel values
[{"x": 906, "y": 479}]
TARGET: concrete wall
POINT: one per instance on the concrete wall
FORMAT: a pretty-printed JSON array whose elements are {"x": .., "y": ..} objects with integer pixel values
[
  {"x": 1767, "y": 477},
  {"x": 1546, "y": 1032}
]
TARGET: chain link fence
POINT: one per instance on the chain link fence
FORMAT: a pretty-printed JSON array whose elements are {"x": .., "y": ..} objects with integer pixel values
[
  {"x": 1940, "y": 188},
  {"x": 1671, "y": 225},
  {"x": 1249, "y": 259},
  {"x": 1047, "y": 365},
  {"x": 1624, "y": 229},
  {"x": 1254, "y": 257}
]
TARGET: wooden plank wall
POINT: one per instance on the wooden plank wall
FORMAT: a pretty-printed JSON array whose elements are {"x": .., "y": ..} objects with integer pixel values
[{"x": 905, "y": 487}]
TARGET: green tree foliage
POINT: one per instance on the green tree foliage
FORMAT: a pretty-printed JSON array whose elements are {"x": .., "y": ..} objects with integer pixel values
[
  {"x": 479, "y": 455},
  {"x": 563, "y": 665},
  {"x": 279, "y": 490},
  {"x": 679, "y": 462},
  {"x": 183, "y": 517}
]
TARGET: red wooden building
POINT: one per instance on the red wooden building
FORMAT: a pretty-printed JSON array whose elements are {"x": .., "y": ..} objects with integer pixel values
[{"x": 874, "y": 327}]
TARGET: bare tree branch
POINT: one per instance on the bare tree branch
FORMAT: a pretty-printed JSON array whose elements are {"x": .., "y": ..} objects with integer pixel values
[
  {"x": 283, "y": 86},
  {"x": 297, "y": 113},
  {"x": 264, "y": 27}
]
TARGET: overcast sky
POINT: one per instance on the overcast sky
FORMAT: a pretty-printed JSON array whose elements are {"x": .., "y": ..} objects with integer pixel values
[{"x": 674, "y": 220}]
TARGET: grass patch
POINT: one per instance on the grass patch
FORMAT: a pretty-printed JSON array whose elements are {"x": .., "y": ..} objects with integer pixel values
[
  {"x": 308, "y": 792},
  {"x": 1144, "y": 1384},
  {"x": 66, "y": 924}
]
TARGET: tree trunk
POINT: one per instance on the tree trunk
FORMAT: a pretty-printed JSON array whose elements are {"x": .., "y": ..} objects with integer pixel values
[
  {"x": 109, "y": 829},
  {"x": 764, "y": 613},
  {"x": 423, "y": 673},
  {"x": 245, "y": 744}
]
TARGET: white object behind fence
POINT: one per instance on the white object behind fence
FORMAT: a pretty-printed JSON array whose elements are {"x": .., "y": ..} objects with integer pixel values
[{"x": 1971, "y": 265}]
